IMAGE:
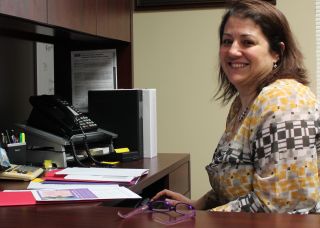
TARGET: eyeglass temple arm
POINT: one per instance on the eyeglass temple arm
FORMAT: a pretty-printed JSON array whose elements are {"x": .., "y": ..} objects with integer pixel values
[{"x": 133, "y": 212}]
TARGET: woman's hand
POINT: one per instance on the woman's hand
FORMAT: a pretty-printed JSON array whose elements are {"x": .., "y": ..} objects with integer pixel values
[{"x": 172, "y": 197}]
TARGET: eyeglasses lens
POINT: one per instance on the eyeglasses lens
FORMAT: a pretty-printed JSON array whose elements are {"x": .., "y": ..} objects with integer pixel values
[
  {"x": 184, "y": 209},
  {"x": 160, "y": 206}
]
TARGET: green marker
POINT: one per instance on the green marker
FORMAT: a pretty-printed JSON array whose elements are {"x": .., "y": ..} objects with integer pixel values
[{"x": 22, "y": 137}]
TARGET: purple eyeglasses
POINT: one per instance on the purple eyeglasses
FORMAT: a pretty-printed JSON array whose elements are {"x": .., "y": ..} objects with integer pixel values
[{"x": 184, "y": 210}]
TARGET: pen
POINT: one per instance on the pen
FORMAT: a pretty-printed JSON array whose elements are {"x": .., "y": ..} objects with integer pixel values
[
  {"x": 11, "y": 137},
  {"x": 14, "y": 138},
  {"x": 4, "y": 139},
  {"x": 8, "y": 137},
  {"x": 3, "y": 143}
]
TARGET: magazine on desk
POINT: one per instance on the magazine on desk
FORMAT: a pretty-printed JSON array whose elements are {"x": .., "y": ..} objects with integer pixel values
[{"x": 83, "y": 194}]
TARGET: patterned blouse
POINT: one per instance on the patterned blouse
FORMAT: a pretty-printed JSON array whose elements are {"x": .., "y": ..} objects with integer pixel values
[{"x": 270, "y": 164}]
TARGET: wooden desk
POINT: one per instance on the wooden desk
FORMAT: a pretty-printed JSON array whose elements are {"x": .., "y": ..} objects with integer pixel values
[
  {"x": 167, "y": 170},
  {"x": 95, "y": 215},
  {"x": 171, "y": 171}
]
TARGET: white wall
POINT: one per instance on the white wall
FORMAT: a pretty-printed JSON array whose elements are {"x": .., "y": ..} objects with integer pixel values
[{"x": 176, "y": 53}]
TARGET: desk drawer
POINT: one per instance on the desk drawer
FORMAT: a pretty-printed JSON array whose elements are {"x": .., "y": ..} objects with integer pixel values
[{"x": 179, "y": 179}]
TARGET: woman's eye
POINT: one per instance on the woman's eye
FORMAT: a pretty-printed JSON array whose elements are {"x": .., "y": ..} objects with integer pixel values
[
  {"x": 248, "y": 42},
  {"x": 226, "y": 41}
]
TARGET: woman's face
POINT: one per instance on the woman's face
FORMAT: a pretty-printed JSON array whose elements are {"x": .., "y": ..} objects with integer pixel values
[{"x": 244, "y": 53}]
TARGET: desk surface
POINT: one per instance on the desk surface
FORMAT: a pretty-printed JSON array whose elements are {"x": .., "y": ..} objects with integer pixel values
[
  {"x": 99, "y": 215},
  {"x": 159, "y": 167},
  {"x": 96, "y": 215}
]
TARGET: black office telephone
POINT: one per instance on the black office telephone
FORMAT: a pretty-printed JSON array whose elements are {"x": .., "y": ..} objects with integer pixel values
[{"x": 57, "y": 116}]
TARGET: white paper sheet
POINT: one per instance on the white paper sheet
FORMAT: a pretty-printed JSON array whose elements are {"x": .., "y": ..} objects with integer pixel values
[
  {"x": 106, "y": 178},
  {"x": 40, "y": 185},
  {"x": 92, "y": 70},
  {"x": 103, "y": 171}
]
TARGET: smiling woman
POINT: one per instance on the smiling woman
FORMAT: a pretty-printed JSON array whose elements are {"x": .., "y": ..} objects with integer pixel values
[
  {"x": 266, "y": 160},
  {"x": 181, "y": 4}
]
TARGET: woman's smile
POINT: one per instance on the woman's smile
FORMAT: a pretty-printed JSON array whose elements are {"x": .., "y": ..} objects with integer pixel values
[{"x": 235, "y": 65}]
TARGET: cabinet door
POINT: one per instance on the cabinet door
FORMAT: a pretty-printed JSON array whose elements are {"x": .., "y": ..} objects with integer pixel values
[
  {"x": 114, "y": 19},
  {"x": 78, "y": 15},
  {"x": 30, "y": 9}
]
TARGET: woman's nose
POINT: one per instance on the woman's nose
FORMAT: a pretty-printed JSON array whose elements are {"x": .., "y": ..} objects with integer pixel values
[{"x": 235, "y": 49}]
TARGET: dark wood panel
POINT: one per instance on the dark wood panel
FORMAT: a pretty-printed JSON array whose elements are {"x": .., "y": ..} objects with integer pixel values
[
  {"x": 114, "y": 19},
  {"x": 16, "y": 80},
  {"x": 95, "y": 215},
  {"x": 179, "y": 180},
  {"x": 30, "y": 9},
  {"x": 78, "y": 15},
  {"x": 125, "y": 67}
]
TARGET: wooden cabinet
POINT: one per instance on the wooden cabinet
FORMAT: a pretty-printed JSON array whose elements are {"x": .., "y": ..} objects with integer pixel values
[
  {"x": 111, "y": 18},
  {"x": 69, "y": 25},
  {"x": 79, "y": 15},
  {"x": 105, "y": 18},
  {"x": 114, "y": 19},
  {"x": 29, "y": 9}
]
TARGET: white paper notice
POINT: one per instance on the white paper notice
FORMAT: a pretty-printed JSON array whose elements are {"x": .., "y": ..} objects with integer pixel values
[{"x": 92, "y": 70}]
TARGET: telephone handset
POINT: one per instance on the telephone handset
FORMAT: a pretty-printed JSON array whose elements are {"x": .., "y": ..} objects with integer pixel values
[{"x": 57, "y": 116}]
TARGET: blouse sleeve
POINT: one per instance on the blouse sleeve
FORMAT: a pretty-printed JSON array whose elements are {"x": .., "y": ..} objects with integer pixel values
[{"x": 284, "y": 133}]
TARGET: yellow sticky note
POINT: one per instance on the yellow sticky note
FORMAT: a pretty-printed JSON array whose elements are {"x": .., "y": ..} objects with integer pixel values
[
  {"x": 47, "y": 164},
  {"x": 110, "y": 163},
  {"x": 122, "y": 150},
  {"x": 37, "y": 180}
]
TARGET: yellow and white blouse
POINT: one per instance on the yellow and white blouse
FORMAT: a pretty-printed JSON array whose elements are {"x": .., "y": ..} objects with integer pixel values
[{"x": 270, "y": 164}]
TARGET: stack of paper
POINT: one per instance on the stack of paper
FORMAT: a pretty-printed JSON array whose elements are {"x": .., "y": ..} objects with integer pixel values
[
  {"x": 76, "y": 184},
  {"x": 39, "y": 183},
  {"x": 107, "y": 175}
]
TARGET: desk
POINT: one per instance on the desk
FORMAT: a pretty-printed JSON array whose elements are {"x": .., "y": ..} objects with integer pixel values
[
  {"x": 165, "y": 171},
  {"x": 170, "y": 171},
  {"x": 95, "y": 215}
]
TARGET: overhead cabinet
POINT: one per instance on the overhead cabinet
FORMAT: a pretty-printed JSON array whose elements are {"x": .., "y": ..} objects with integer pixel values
[{"x": 70, "y": 25}]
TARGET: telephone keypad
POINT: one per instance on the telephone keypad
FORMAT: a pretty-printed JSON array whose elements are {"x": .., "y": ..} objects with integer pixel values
[{"x": 84, "y": 121}]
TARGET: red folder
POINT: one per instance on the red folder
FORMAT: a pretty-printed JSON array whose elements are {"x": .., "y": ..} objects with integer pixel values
[
  {"x": 17, "y": 198},
  {"x": 51, "y": 175}
]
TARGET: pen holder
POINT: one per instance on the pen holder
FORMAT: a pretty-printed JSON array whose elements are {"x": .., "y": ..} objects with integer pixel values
[{"x": 16, "y": 153}]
